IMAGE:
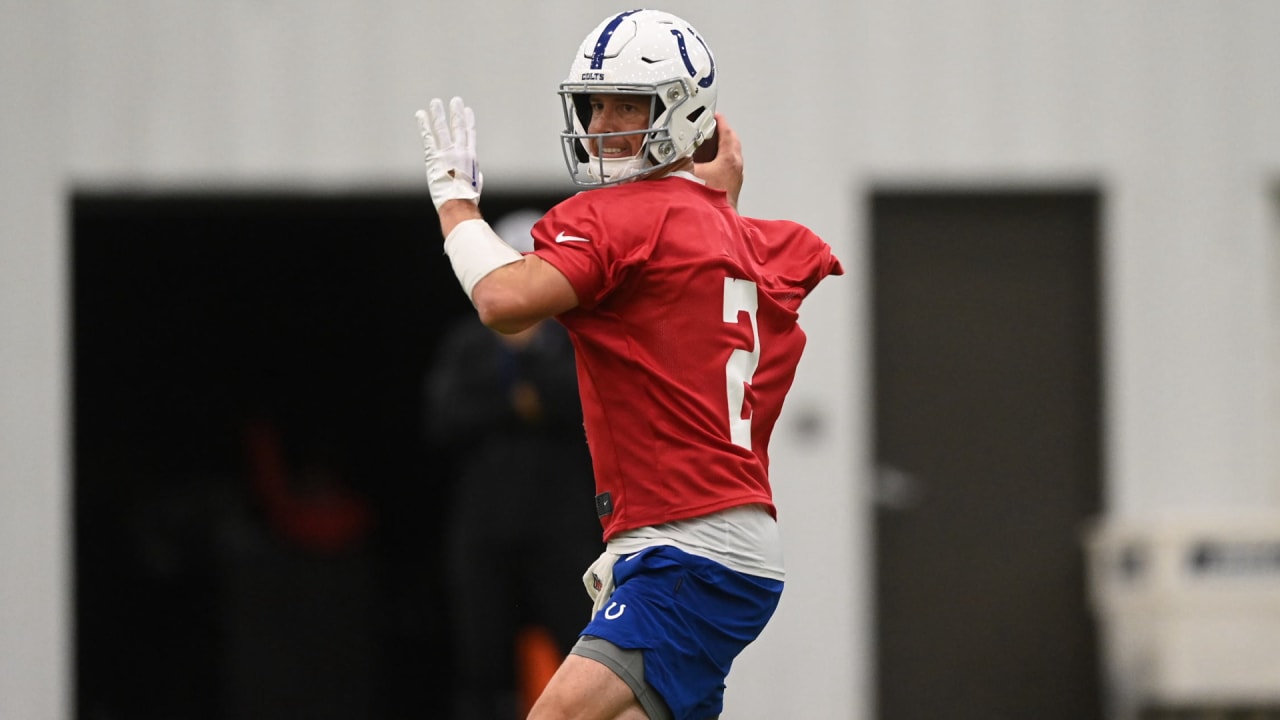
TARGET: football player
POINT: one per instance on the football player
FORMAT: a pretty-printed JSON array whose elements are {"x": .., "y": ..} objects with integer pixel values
[{"x": 683, "y": 316}]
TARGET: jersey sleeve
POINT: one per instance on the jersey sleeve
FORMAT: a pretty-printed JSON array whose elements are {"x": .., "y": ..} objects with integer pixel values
[
  {"x": 796, "y": 257},
  {"x": 596, "y": 257}
]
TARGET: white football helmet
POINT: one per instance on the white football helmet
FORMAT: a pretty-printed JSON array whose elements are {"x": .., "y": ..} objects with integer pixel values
[{"x": 647, "y": 53}]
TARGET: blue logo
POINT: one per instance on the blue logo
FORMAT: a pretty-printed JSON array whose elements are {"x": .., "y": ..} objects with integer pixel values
[
  {"x": 688, "y": 64},
  {"x": 602, "y": 42}
]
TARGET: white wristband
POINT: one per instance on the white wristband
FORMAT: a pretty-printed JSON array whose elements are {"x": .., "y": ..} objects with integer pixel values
[{"x": 475, "y": 250}]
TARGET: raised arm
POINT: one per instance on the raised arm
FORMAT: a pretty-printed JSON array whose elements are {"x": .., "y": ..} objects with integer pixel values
[{"x": 510, "y": 291}]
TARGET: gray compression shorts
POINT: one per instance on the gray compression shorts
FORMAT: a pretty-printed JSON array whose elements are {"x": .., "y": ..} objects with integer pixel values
[{"x": 628, "y": 665}]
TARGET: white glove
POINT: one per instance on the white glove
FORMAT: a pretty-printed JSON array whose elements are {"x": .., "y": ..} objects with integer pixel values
[{"x": 450, "y": 151}]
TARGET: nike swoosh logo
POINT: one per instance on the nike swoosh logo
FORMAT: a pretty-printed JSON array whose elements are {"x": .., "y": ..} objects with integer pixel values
[{"x": 570, "y": 238}]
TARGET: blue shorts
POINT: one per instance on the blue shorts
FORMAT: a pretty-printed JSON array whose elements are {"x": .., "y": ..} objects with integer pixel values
[{"x": 690, "y": 617}]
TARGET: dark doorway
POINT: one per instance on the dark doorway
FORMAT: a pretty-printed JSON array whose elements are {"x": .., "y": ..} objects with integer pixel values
[
  {"x": 256, "y": 512},
  {"x": 988, "y": 431}
]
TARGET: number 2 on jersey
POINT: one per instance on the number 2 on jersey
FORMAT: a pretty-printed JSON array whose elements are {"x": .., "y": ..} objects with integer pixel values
[{"x": 740, "y": 296}]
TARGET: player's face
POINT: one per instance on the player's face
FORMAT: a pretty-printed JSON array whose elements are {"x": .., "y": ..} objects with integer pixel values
[{"x": 618, "y": 113}]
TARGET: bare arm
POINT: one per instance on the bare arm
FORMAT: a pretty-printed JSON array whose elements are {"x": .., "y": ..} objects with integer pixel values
[
  {"x": 517, "y": 295},
  {"x": 510, "y": 291}
]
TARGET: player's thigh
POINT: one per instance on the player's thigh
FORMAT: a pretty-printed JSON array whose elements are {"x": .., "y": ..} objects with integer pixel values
[{"x": 584, "y": 689}]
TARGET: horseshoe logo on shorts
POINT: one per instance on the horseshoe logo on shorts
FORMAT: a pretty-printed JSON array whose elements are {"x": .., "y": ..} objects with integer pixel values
[{"x": 609, "y": 614}]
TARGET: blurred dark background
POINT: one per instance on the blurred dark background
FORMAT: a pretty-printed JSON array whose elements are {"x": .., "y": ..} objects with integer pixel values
[{"x": 257, "y": 511}]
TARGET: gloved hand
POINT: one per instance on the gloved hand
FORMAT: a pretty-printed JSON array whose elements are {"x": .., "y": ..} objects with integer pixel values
[{"x": 449, "y": 148}]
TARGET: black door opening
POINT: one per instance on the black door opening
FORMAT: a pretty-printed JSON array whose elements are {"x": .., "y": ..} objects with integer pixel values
[{"x": 255, "y": 510}]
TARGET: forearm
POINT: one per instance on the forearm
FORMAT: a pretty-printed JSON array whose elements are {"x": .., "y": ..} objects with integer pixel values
[
  {"x": 453, "y": 212},
  {"x": 475, "y": 251},
  {"x": 510, "y": 291}
]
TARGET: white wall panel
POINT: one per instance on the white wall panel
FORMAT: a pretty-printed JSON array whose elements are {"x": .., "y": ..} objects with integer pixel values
[{"x": 35, "y": 637}]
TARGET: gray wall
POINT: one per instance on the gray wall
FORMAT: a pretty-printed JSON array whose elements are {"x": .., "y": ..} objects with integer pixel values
[{"x": 1171, "y": 106}]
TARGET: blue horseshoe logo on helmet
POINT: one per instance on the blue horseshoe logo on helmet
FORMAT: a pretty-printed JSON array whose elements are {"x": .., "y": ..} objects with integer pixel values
[{"x": 688, "y": 64}]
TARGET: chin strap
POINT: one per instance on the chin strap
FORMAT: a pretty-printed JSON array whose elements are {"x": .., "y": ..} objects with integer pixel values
[{"x": 611, "y": 171}]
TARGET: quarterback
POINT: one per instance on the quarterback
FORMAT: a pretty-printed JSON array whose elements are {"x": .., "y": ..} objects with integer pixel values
[{"x": 684, "y": 320}]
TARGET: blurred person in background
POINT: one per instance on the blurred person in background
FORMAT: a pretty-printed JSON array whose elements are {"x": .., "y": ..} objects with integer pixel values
[{"x": 521, "y": 526}]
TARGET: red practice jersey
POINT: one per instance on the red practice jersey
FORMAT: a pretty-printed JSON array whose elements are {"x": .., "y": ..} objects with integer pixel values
[{"x": 686, "y": 339}]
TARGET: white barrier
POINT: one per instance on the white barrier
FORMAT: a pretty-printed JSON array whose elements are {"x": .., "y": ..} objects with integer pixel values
[{"x": 1189, "y": 610}]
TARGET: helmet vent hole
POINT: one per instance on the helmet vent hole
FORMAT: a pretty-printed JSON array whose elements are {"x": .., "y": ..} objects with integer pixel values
[
  {"x": 651, "y": 61},
  {"x": 693, "y": 116}
]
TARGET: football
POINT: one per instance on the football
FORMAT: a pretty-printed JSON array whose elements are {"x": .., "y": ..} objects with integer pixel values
[{"x": 706, "y": 152}]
